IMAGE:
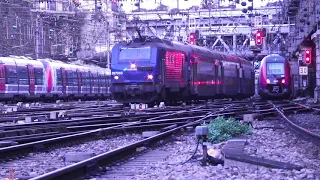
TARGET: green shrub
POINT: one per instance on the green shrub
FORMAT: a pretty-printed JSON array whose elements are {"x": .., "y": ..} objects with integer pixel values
[{"x": 221, "y": 129}]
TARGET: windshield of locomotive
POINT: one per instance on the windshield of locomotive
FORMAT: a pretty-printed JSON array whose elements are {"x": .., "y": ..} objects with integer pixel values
[
  {"x": 134, "y": 54},
  {"x": 275, "y": 68}
]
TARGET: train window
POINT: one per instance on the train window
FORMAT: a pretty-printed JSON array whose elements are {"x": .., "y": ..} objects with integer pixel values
[
  {"x": 95, "y": 80},
  {"x": 23, "y": 75},
  {"x": 59, "y": 77},
  {"x": 108, "y": 80},
  {"x": 103, "y": 80},
  {"x": 205, "y": 68},
  {"x": 75, "y": 78},
  {"x": 229, "y": 71},
  {"x": 135, "y": 54},
  {"x": 11, "y": 75},
  {"x": 275, "y": 68},
  {"x": 69, "y": 78},
  {"x": 87, "y": 79},
  {"x": 38, "y": 73}
]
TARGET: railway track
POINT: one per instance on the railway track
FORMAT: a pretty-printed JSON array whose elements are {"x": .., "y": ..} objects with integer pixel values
[
  {"x": 100, "y": 118},
  {"x": 43, "y": 113},
  {"x": 101, "y": 125},
  {"x": 169, "y": 126},
  {"x": 166, "y": 121},
  {"x": 308, "y": 126}
]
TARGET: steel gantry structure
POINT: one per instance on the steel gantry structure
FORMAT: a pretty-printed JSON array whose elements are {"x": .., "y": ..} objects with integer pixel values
[{"x": 225, "y": 29}]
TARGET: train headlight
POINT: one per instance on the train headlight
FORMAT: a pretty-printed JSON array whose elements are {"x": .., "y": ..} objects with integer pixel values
[
  {"x": 133, "y": 66},
  {"x": 268, "y": 81},
  {"x": 116, "y": 77},
  {"x": 283, "y": 81},
  {"x": 150, "y": 76}
]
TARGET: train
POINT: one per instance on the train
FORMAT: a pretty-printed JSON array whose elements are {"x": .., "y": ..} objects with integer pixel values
[
  {"x": 152, "y": 70},
  {"x": 23, "y": 78},
  {"x": 274, "y": 81}
]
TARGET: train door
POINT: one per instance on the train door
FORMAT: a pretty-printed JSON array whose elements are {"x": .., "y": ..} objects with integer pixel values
[
  {"x": 221, "y": 82},
  {"x": 79, "y": 81},
  {"x": 64, "y": 80},
  {"x": 98, "y": 79},
  {"x": 32, "y": 79},
  {"x": 193, "y": 78},
  {"x": 2, "y": 79},
  {"x": 239, "y": 77},
  {"x": 242, "y": 79},
  {"x": 91, "y": 82},
  {"x": 216, "y": 77},
  {"x": 108, "y": 82}
]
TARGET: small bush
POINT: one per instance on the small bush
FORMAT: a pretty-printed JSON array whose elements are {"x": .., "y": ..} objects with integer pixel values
[{"x": 221, "y": 129}]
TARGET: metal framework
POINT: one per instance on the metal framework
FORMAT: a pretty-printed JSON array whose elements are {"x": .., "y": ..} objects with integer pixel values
[{"x": 224, "y": 29}]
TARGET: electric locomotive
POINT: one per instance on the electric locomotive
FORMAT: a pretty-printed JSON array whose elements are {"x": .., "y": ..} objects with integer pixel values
[
  {"x": 275, "y": 77},
  {"x": 150, "y": 69},
  {"x": 147, "y": 70}
]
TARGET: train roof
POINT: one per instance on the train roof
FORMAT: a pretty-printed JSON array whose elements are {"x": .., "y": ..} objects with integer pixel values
[
  {"x": 166, "y": 44},
  {"x": 19, "y": 61},
  {"x": 274, "y": 58}
]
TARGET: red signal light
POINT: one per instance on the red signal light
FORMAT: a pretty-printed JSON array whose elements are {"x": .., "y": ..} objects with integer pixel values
[
  {"x": 308, "y": 56},
  {"x": 258, "y": 38},
  {"x": 192, "y": 39}
]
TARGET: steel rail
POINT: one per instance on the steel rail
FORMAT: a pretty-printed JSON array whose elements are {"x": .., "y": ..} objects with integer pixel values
[
  {"x": 296, "y": 128},
  {"x": 83, "y": 167},
  {"x": 78, "y": 121},
  {"x": 22, "y": 148},
  {"x": 306, "y": 106},
  {"x": 70, "y": 113}
]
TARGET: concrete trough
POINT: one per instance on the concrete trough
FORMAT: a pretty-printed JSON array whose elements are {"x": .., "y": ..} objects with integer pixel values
[
  {"x": 147, "y": 134},
  {"x": 77, "y": 156}
]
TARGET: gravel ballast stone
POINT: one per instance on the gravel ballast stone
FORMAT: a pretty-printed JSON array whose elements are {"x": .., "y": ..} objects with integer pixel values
[
  {"x": 38, "y": 163},
  {"x": 276, "y": 143}
]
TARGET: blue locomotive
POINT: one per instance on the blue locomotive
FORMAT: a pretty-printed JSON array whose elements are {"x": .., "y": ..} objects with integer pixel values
[{"x": 149, "y": 69}]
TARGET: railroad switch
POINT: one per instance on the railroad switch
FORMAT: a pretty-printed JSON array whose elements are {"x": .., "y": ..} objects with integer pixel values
[{"x": 202, "y": 134}]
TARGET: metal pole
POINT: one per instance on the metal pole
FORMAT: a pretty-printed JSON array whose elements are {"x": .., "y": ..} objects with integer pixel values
[
  {"x": 95, "y": 5},
  {"x": 108, "y": 47},
  {"x": 37, "y": 36}
]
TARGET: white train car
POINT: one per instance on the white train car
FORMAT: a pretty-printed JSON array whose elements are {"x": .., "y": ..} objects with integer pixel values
[
  {"x": 21, "y": 78},
  {"x": 72, "y": 80},
  {"x": 24, "y": 78}
]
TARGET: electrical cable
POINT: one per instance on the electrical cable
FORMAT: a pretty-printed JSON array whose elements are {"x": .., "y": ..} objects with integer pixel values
[{"x": 193, "y": 154}]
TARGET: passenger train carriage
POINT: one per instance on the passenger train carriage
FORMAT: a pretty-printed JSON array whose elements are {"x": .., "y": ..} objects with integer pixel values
[
  {"x": 274, "y": 77},
  {"x": 31, "y": 79},
  {"x": 154, "y": 70}
]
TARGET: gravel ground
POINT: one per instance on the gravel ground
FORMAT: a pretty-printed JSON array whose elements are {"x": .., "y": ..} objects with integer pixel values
[
  {"x": 309, "y": 121},
  {"x": 42, "y": 162},
  {"x": 275, "y": 143}
]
